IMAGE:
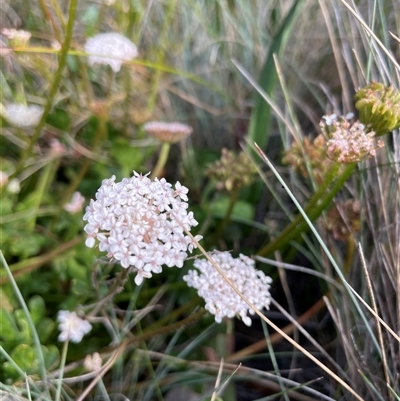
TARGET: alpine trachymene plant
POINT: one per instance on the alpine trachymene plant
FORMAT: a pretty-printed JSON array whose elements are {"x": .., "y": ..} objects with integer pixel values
[
  {"x": 221, "y": 300},
  {"x": 140, "y": 223}
]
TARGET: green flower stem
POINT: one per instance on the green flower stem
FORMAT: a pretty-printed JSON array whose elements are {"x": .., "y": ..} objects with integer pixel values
[
  {"x": 162, "y": 160},
  {"x": 62, "y": 366},
  {"x": 317, "y": 204},
  {"x": 43, "y": 183},
  {"x": 101, "y": 133},
  {"x": 221, "y": 226},
  {"x": 54, "y": 87}
]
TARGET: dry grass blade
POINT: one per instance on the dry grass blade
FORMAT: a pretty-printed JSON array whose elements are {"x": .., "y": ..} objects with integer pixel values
[
  {"x": 372, "y": 296},
  {"x": 370, "y": 32}
]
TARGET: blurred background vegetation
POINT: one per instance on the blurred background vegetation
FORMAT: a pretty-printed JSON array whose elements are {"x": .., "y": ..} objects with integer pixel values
[{"x": 238, "y": 72}]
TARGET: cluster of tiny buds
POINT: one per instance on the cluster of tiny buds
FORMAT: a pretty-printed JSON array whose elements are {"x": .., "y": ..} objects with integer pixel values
[
  {"x": 232, "y": 171},
  {"x": 221, "y": 300},
  {"x": 141, "y": 224},
  {"x": 348, "y": 142}
]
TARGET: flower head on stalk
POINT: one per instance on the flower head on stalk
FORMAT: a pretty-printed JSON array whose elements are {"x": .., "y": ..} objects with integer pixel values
[
  {"x": 348, "y": 142},
  {"x": 221, "y": 300},
  {"x": 168, "y": 132},
  {"x": 111, "y": 49},
  {"x": 141, "y": 223}
]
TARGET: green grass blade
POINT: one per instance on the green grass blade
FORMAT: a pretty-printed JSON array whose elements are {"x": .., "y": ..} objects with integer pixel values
[{"x": 260, "y": 120}]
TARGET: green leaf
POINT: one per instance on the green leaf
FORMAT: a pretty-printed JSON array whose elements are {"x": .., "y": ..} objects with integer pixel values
[
  {"x": 127, "y": 156},
  {"x": 242, "y": 209},
  {"x": 10, "y": 333},
  {"x": 37, "y": 308}
]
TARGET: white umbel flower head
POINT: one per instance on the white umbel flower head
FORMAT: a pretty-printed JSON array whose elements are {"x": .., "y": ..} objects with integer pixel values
[
  {"x": 23, "y": 116},
  {"x": 72, "y": 327},
  {"x": 221, "y": 300},
  {"x": 138, "y": 222},
  {"x": 111, "y": 49}
]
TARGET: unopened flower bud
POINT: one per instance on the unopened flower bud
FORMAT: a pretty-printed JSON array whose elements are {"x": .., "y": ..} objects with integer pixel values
[{"x": 379, "y": 107}]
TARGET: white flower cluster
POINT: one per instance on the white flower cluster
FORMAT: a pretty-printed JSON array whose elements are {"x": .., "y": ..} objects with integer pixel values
[
  {"x": 22, "y": 116},
  {"x": 72, "y": 327},
  {"x": 221, "y": 300},
  {"x": 110, "y": 49},
  {"x": 350, "y": 143},
  {"x": 138, "y": 222}
]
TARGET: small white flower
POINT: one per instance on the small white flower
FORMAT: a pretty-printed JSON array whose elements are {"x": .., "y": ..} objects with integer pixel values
[
  {"x": 221, "y": 300},
  {"x": 138, "y": 222},
  {"x": 330, "y": 119},
  {"x": 76, "y": 203},
  {"x": 20, "y": 115},
  {"x": 111, "y": 49},
  {"x": 72, "y": 327}
]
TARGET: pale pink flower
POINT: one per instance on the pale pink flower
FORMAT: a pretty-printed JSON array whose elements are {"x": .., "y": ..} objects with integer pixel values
[
  {"x": 72, "y": 327},
  {"x": 168, "y": 132},
  {"x": 76, "y": 203}
]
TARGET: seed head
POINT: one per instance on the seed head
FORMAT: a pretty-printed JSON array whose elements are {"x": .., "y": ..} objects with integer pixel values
[{"x": 232, "y": 171}]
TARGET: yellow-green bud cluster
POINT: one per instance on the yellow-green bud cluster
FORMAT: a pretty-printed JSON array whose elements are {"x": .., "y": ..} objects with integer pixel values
[
  {"x": 379, "y": 107},
  {"x": 232, "y": 171}
]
